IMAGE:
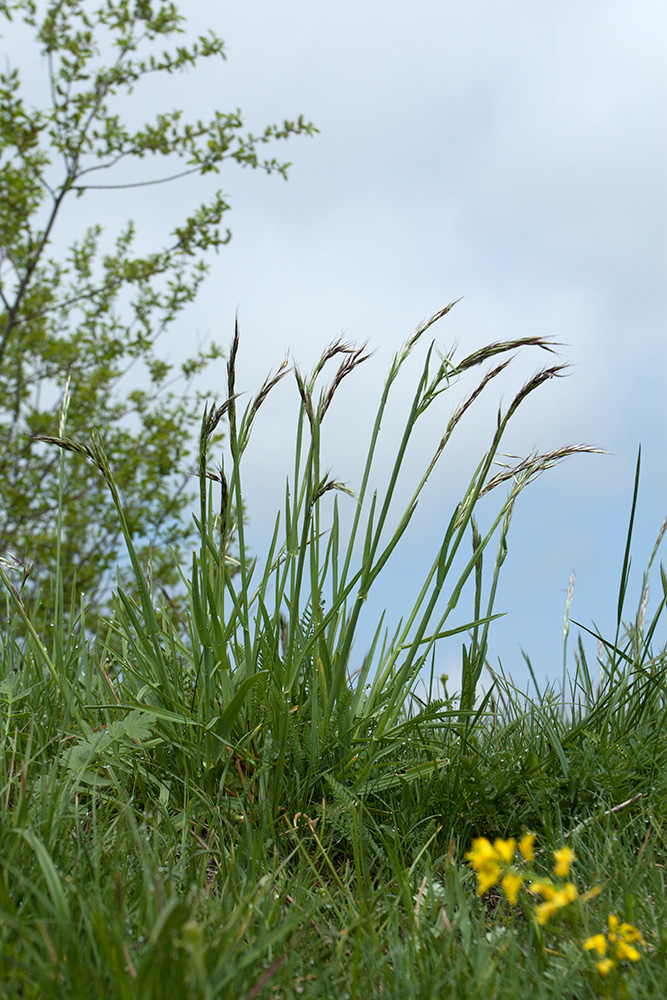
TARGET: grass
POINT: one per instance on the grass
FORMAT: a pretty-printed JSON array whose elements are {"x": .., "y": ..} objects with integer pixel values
[{"x": 211, "y": 805}]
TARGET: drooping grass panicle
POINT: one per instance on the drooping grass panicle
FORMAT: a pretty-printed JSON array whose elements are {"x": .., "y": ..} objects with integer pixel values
[{"x": 277, "y": 637}]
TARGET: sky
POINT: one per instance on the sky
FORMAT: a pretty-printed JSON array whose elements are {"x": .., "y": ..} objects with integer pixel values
[{"x": 512, "y": 155}]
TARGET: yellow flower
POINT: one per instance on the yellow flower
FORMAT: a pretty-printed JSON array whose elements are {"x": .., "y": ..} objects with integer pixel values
[
  {"x": 626, "y": 952},
  {"x": 605, "y": 966},
  {"x": 619, "y": 943},
  {"x": 486, "y": 877},
  {"x": 564, "y": 857},
  {"x": 566, "y": 895},
  {"x": 544, "y": 912},
  {"x": 526, "y": 847},
  {"x": 481, "y": 853},
  {"x": 555, "y": 901},
  {"x": 505, "y": 849},
  {"x": 596, "y": 943},
  {"x": 485, "y": 860},
  {"x": 630, "y": 933},
  {"x": 543, "y": 889},
  {"x": 511, "y": 885}
]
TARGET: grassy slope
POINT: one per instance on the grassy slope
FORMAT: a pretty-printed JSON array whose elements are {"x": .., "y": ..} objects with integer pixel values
[{"x": 211, "y": 807}]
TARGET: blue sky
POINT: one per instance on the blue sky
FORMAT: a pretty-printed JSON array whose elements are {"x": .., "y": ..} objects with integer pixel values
[{"x": 514, "y": 154}]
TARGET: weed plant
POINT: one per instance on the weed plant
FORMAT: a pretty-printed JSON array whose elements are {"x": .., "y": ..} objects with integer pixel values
[{"x": 211, "y": 805}]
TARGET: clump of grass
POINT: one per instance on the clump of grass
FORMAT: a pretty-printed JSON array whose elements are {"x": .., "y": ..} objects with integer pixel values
[
  {"x": 268, "y": 654},
  {"x": 211, "y": 805}
]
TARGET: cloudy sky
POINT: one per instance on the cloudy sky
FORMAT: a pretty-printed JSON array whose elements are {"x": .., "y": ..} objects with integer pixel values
[{"x": 514, "y": 154}]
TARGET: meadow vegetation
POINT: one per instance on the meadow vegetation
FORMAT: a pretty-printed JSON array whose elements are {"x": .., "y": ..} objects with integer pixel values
[{"x": 213, "y": 804}]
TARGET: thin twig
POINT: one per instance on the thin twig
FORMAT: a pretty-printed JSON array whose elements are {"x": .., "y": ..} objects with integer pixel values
[{"x": 607, "y": 812}]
